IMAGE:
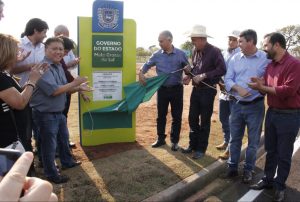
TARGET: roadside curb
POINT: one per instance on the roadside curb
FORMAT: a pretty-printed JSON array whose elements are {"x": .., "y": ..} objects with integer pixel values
[{"x": 193, "y": 183}]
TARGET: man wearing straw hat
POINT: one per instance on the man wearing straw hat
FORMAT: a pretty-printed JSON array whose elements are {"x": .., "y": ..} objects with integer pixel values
[
  {"x": 208, "y": 67},
  {"x": 167, "y": 60}
]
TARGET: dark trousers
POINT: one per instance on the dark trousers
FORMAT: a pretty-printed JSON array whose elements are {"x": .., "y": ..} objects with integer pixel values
[
  {"x": 281, "y": 130},
  {"x": 67, "y": 105},
  {"x": 25, "y": 136},
  {"x": 201, "y": 109},
  {"x": 174, "y": 96},
  {"x": 53, "y": 133},
  {"x": 224, "y": 114}
]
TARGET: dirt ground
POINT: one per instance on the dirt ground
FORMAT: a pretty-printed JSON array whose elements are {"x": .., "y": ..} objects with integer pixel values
[
  {"x": 133, "y": 171},
  {"x": 145, "y": 125}
]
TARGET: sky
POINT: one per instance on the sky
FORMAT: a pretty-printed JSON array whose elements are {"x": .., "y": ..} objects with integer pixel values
[{"x": 219, "y": 17}]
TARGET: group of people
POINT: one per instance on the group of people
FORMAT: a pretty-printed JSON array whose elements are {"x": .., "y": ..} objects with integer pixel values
[
  {"x": 35, "y": 88},
  {"x": 245, "y": 75},
  {"x": 35, "y": 91}
]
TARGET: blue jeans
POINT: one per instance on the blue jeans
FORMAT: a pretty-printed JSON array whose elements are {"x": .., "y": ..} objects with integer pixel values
[
  {"x": 201, "y": 109},
  {"x": 173, "y": 96},
  {"x": 224, "y": 113},
  {"x": 281, "y": 130},
  {"x": 53, "y": 132},
  {"x": 252, "y": 116}
]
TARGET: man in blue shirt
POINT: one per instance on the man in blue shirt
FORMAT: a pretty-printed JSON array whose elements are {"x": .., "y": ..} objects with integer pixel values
[
  {"x": 249, "y": 109},
  {"x": 167, "y": 60},
  {"x": 48, "y": 102}
]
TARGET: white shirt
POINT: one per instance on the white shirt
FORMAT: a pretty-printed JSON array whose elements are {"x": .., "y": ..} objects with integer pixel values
[
  {"x": 36, "y": 56},
  {"x": 227, "y": 56},
  {"x": 69, "y": 57}
]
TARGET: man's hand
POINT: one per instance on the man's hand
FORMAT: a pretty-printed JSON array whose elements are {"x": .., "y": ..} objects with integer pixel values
[
  {"x": 222, "y": 86},
  {"x": 85, "y": 97},
  {"x": 198, "y": 78},
  {"x": 242, "y": 91},
  {"x": 186, "y": 80},
  {"x": 22, "y": 55},
  {"x": 256, "y": 83},
  {"x": 79, "y": 80},
  {"x": 187, "y": 69},
  {"x": 142, "y": 78},
  {"x": 73, "y": 63},
  {"x": 85, "y": 87}
]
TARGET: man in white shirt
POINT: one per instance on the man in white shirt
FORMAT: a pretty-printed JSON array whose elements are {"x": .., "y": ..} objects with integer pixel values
[
  {"x": 70, "y": 59},
  {"x": 31, "y": 41}
]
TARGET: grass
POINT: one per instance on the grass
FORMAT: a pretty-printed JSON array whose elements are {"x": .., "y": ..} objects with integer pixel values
[{"x": 135, "y": 174}]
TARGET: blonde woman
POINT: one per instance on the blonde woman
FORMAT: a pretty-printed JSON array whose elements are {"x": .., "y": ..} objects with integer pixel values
[{"x": 14, "y": 99}]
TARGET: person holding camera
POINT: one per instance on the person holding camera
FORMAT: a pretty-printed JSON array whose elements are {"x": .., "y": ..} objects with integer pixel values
[{"x": 15, "y": 182}]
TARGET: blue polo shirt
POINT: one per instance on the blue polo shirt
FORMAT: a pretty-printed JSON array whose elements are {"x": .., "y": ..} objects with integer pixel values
[
  {"x": 42, "y": 99},
  {"x": 167, "y": 63}
]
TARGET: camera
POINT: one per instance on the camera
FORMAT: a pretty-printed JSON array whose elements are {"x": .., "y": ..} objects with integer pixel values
[{"x": 7, "y": 159}]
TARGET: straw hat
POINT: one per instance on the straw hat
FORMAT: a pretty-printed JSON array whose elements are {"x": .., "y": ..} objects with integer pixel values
[
  {"x": 198, "y": 31},
  {"x": 234, "y": 33}
]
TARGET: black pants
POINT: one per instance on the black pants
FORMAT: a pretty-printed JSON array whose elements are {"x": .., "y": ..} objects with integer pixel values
[
  {"x": 201, "y": 109},
  {"x": 67, "y": 105},
  {"x": 281, "y": 130},
  {"x": 174, "y": 96},
  {"x": 26, "y": 132}
]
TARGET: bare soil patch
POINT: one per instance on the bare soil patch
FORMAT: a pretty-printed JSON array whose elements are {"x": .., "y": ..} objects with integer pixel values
[{"x": 133, "y": 171}]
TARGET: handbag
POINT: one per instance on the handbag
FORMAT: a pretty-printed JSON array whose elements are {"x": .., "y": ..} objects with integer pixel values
[{"x": 17, "y": 145}]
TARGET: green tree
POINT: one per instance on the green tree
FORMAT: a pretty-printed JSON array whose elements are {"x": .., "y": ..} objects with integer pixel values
[
  {"x": 140, "y": 51},
  {"x": 187, "y": 47},
  {"x": 153, "y": 48},
  {"x": 292, "y": 37}
]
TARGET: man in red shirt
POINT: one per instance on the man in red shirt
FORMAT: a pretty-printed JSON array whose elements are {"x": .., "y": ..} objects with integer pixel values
[{"x": 281, "y": 83}]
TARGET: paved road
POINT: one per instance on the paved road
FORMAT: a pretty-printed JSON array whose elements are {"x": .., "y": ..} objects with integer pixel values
[{"x": 234, "y": 190}]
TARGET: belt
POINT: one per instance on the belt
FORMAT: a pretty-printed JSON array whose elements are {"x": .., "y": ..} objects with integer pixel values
[
  {"x": 285, "y": 111},
  {"x": 205, "y": 86},
  {"x": 251, "y": 102},
  {"x": 46, "y": 112},
  {"x": 172, "y": 86},
  {"x": 53, "y": 112}
]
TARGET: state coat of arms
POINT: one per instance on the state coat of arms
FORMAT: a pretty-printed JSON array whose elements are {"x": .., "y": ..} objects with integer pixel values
[{"x": 108, "y": 17}]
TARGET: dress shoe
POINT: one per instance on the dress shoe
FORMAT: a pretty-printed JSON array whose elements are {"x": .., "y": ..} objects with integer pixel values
[
  {"x": 231, "y": 174},
  {"x": 58, "y": 179},
  {"x": 76, "y": 163},
  {"x": 187, "y": 150},
  {"x": 279, "y": 196},
  {"x": 247, "y": 177},
  {"x": 174, "y": 147},
  {"x": 198, "y": 155},
  {"x": 222, "y": 146},
  {"x": 158, "y": 143},
  {"x": 225, "y": 155},
  {"x": 72, "y": 144},
  {"x": 261, "y": 185}
]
